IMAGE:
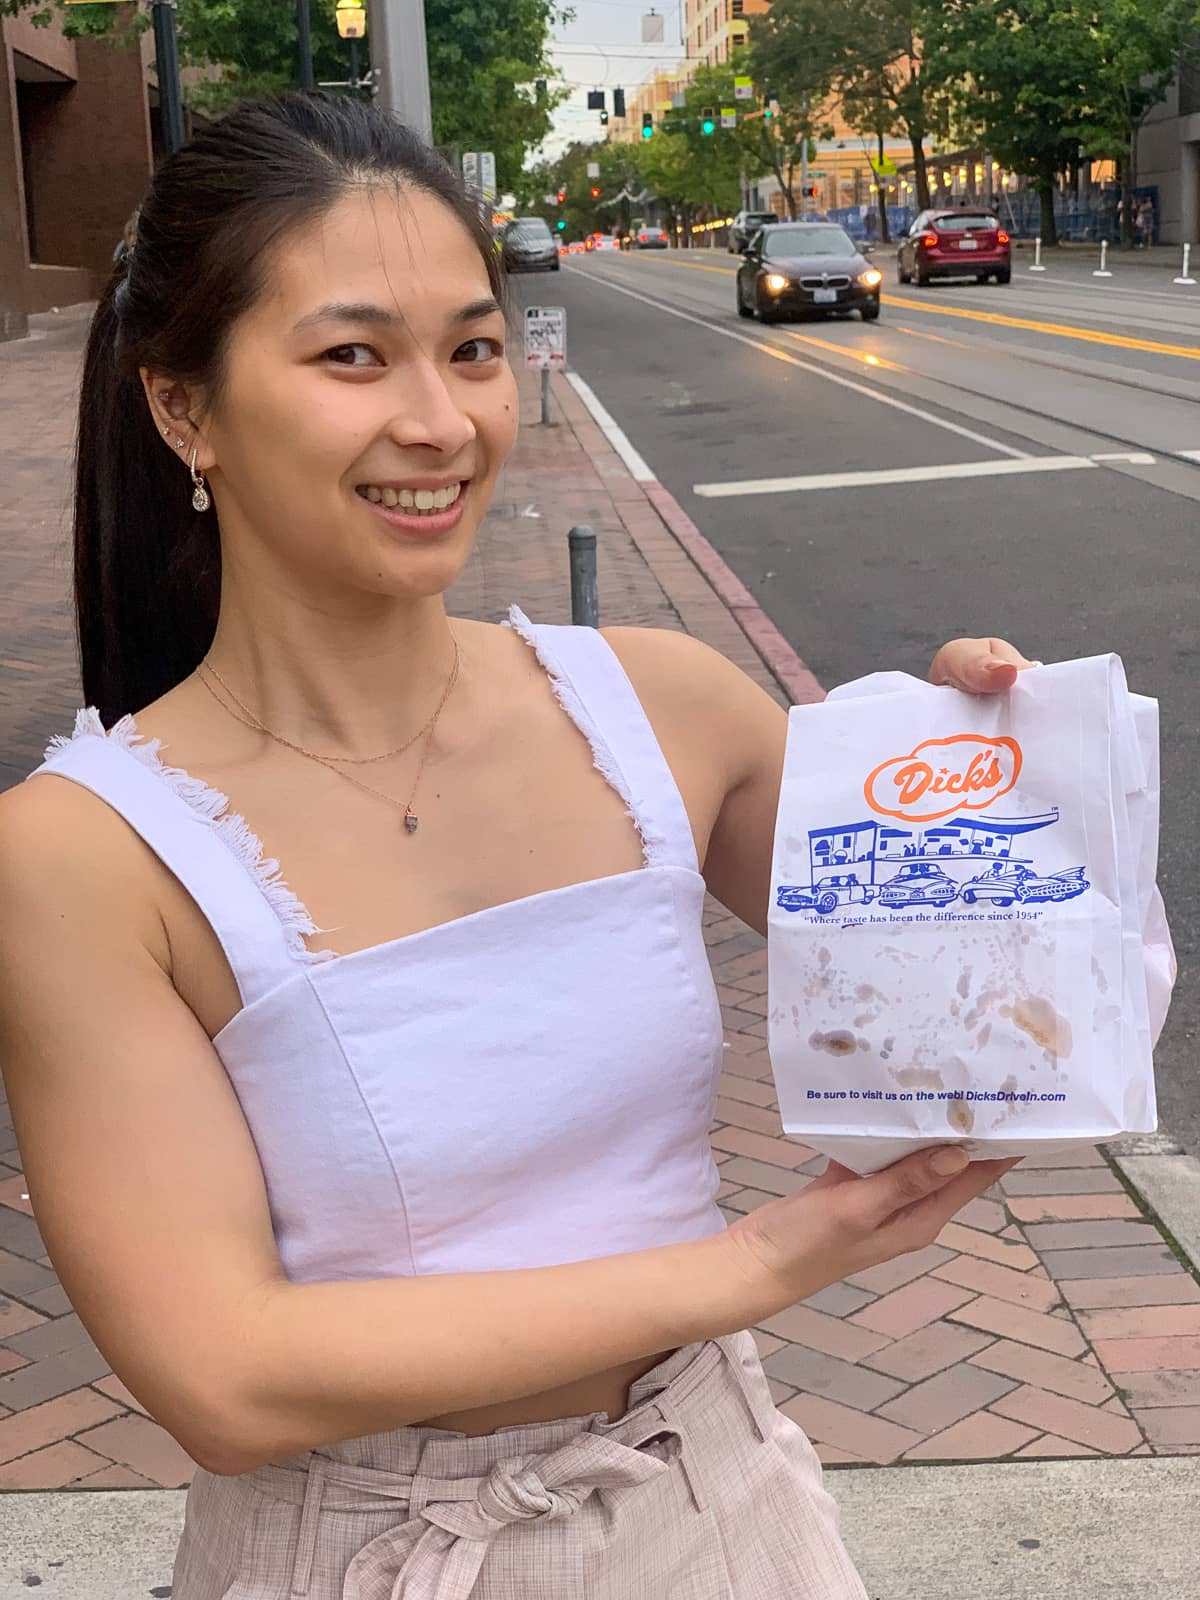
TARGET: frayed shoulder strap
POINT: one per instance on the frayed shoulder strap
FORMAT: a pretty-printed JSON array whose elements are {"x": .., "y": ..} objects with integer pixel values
[
  {"x": 594, "y": 690},
  {"x": 208, "y": 848}
]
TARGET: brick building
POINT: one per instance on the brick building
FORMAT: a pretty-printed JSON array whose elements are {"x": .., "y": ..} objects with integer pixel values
[{"x": 78, "y": 132}]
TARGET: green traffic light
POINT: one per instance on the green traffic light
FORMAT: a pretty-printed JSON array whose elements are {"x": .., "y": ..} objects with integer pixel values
[
  {"x": 647, "y": 133},
  {"x": 561, "y": 224}
]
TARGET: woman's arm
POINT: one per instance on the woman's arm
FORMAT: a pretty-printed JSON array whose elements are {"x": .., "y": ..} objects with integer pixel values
[{"x": 724, "y": 737}]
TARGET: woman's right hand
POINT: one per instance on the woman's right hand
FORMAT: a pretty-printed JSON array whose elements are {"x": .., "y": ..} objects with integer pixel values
[{"x": 841, "y": 1223}]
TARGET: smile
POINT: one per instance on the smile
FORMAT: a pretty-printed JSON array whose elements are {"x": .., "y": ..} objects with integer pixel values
[{"x": 427, "y": 501}]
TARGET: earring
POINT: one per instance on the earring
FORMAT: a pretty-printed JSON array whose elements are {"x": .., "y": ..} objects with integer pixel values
[{"x": 201, "y": 500}]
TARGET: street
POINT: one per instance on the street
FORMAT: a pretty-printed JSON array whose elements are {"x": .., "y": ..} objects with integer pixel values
[{"x": 1072, "y": 401}]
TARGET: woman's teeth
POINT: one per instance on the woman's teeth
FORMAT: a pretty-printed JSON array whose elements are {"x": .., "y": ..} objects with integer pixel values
[{"x": 430, "y": 500}]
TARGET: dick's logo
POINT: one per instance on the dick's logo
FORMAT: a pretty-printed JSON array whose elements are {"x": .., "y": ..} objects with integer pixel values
[{"x": 941, "y": 776}]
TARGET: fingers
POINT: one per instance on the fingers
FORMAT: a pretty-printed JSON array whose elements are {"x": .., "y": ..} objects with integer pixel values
[{"x": 978, "y": 666}]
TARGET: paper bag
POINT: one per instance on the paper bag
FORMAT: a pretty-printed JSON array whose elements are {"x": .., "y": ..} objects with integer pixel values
[{"x": 966, "y": 943}]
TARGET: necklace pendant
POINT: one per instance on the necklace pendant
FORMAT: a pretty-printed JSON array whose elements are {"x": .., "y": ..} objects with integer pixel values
[{"x": 410, "y": 820}]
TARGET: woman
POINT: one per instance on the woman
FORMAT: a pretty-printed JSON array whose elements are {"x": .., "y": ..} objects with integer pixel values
[{"x": 413, "y": 1246}]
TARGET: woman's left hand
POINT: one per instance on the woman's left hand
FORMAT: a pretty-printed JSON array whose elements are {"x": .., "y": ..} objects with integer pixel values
[{"x": 980, "y": 666}]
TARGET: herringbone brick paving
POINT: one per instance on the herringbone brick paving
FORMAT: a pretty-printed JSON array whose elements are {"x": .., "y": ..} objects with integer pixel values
[{"x": 1050, "y": 1319}]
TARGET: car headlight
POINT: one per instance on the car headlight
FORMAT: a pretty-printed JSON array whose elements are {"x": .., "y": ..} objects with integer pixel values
[
  {"x": 870, "y": 277},
  {"x": 776, "y": 281}
]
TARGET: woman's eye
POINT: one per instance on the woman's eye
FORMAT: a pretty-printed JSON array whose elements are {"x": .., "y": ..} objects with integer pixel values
[
  {"x": 478, "y": 351},
  {"x": 352, "y": 355}
]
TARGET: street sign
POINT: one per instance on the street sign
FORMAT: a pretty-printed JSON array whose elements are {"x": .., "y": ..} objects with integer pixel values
[
  {"x": 545, "y": 336},
  {"x": 593, "y": 169},
  {"x": 729, "y": 116},
  {"x": 883, "y": 166},
  {"x": 479, "y": 172},
  {"x": 743, "y": 88}
]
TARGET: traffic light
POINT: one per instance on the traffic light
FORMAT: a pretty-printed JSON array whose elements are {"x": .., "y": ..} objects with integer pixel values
[
  {"x": 770, "y": 104},
  {"x": 647, "y": 124},
  {"x": 604, "y": 119},
  {"x": 708, "y": 122},
  {"x": 618, "y": 102},
  {"x": 595, "y": 100},
  {"x": 595, "y": 192},
  {"x": 562, "y": 195},
  {"x": 561, "y": 224}
]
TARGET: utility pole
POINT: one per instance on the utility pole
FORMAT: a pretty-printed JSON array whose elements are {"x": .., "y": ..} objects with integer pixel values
[
  {"x": 166, "y": 71},
  {"x": 804, "y": 163},
  {"x": 304, "y": 44},
  {"x": 400, "y": 67}
]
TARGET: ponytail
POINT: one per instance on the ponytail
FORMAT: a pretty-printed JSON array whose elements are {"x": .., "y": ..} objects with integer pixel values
[{"x": 148, "y": 566}]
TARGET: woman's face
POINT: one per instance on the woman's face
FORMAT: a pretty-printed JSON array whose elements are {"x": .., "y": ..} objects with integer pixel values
[{"x": 367, "y": 405}]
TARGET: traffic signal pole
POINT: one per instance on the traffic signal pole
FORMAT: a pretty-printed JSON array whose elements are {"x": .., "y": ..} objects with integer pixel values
[
  {"x": 399, "y": 63},
  {"x": 304, "y": 44},
  {"x": 804, "y": 163},
  {"x": 166, "y": 71}
]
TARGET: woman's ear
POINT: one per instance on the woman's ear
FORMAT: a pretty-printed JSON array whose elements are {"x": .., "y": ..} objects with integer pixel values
[{"x": 171, "y": 406}]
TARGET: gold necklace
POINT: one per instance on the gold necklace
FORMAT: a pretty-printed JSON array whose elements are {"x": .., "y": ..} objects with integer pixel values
[{"x": 250, "y": 720}]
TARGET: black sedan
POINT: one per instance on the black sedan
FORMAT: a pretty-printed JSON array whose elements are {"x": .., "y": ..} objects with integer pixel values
[{"x": 806, "y": 268}]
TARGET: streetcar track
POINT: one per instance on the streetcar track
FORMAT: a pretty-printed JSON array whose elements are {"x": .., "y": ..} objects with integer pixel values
[{"x": 707, "y": 315}]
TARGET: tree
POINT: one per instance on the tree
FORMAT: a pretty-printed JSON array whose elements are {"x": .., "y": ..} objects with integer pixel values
[
  {"x": 1024, "y": 70},
  {"x": 796, "y": 52},
  {"x": 1138, "y": 47},
  {"x": 488, "y": 62}
]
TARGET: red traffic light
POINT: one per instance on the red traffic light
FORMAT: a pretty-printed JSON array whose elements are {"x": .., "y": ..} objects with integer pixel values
[
  {"x": 562, "y": 195},
  {"x": 595, "y": 193}
]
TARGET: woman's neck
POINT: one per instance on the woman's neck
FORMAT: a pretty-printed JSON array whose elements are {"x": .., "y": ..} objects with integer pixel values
[{"x": 344, "y": 679}]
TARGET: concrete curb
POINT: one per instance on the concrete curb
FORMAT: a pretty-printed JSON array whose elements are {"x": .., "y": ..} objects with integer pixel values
[{"x": 1167, "y": 1182}]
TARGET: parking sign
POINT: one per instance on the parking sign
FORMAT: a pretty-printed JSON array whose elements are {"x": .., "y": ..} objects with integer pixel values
[{"x": 545, "y": 336}]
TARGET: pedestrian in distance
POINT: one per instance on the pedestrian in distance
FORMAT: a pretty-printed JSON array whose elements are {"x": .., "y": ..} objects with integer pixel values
[{"x": 387, "y": 1189}]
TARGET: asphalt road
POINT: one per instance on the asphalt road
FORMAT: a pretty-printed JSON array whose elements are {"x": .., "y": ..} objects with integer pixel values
[{"x": 862, "y": 575}]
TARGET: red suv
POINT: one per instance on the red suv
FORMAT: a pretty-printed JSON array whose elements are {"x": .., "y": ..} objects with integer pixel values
[{"x": 954, "y": 244}]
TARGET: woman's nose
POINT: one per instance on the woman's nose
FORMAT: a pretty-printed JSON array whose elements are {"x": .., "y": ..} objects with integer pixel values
[{"x": 429, "y": 411}]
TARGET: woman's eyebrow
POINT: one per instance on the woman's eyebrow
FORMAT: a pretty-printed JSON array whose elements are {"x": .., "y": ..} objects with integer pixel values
[
  {"x": 348, "y": 311},
  {"x": 365, "y": 311},
  {"x": 486, "y": 307}
]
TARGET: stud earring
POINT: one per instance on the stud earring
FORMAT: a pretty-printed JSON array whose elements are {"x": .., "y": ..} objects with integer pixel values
[{"x": 201, "y": 500}]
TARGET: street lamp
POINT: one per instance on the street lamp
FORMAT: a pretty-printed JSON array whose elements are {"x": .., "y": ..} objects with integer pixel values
[{"x": 352, "y": 25}]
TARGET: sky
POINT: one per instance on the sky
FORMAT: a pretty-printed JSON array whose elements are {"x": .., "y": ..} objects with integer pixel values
[{"x": 601, "y": 49}]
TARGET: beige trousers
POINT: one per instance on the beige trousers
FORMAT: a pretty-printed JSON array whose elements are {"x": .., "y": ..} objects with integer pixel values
[{"x": 701, "y": 1491}]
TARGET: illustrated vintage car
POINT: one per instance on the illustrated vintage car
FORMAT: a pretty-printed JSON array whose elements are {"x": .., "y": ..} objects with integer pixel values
[
  {"x": 1017, "y": 882},
  {"x": 918, "y": 883},
  {"x": 826, "y": 895}
]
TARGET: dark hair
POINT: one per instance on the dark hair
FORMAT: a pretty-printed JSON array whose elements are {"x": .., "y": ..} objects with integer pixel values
[{"x": 147, "y": 566}]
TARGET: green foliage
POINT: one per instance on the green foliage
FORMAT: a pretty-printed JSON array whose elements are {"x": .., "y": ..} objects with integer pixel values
[{"x": 485, "y": 57}]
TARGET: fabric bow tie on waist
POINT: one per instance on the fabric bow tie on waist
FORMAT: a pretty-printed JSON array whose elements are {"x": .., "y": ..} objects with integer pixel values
[{"x": 440, "y": 1553}]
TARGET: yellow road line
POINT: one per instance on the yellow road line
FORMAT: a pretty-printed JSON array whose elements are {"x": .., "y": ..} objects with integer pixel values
[{"x": 1058, "y": 330}]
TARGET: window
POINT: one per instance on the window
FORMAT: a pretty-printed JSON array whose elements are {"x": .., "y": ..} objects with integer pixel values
[
  {"x": 737, "y": 8},
  {"x": 965, "y": 222},
  {"x": 739, "y": 39},
  {"x": 807, "y": 239}
]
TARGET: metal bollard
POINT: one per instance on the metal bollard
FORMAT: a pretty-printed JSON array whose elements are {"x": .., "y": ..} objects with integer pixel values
[
  {"x": 1037, "y": 256},
  {"x": 1103, "y": 271},
  {"x": 1186, "y": 275},
  {"x": 546, "y": 396},
  {"x": 585, "y": 599}
]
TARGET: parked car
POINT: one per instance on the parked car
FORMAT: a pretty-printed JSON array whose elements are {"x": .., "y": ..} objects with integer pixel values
[
  {"x": 745, "y": 225},
  {"x": 918, "y": 883},
  {"x": 954, "y": 244},
  {"x": 794, "y": 268},
  {"x": 839, "y": 889},
  {"x": 650, "y": 239},
  {"x": 1017, "y": 882},
  {"x": 529, "y": 246}
]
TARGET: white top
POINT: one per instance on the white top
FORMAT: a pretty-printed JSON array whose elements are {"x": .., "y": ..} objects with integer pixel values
[{"x": 525, "y": 1086}]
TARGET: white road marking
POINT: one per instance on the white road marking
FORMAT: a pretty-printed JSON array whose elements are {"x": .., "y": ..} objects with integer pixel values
[
  {"x": 1187, "y": 455},
  {"x": 956, "y": 469},
  {"x": 611, "y": 431},
  {"x": 809, "y": 366},
  {"x": 1131, "y": 458}
]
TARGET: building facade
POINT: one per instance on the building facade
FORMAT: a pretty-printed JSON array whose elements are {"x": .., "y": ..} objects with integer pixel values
[{"x": 78, "y": 133}]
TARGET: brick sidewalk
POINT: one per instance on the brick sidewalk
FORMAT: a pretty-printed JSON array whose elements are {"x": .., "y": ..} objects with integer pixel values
[{"x": 1049, "y": 1320}]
